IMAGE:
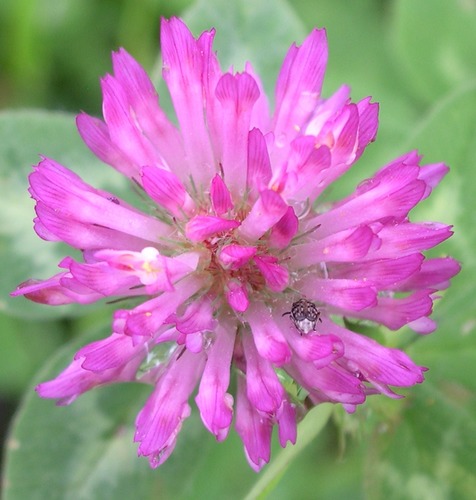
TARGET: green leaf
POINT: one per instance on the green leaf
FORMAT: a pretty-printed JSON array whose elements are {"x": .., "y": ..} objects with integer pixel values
[
  {"x": 25, "y": 346},
  {"x": 434, "y": 44},
  {"x": 430, "y": 453},
  {"x": 81, "y": 451},
  {"x": 23, "y": 136}
]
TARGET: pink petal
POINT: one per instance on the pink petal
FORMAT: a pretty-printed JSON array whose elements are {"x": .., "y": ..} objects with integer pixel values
[
  {"x": 220, "y": 196},
  {"x": 122, "y": 125},
  {"x": 95, "y": 134},
  {"x": 186, "y": 62},
  {"x": 165, "y": 188},
  {"x": 423, "y": 325},
  {"x": 382, "y": 273},
  {"x": 376, "y": 363},
  {"x": 109, "y": 360},
  {"x": 156, "y": 272},
  {"x": 201, "y": 227},
  {"x": 432, "y": 175},
  {"x": 259, "y": 165},
  {"x": 54, "y": 293},
  {"x": 71, "y": 383},
  {"x": 345, "y": 130},
  {"x": 237, "y": 295},
  {"x": 198, "y": 317},
  {"x": 160, "y": 420},
  {"x": 434, "y": 273},
  {"x": 260, "y": 117},
  {"x": 318, "y": 348},
  {"x": 284, "y": 230},
  {"x": 345, "y": 246},
  {"x": 237, "y": 95},
  {"x": 151, "y": 119},
  {"x": 326, "y": 110},
  {"x": 148, "y": 317},
  {"x": 194, "y": 342},
  {"x": 102, "y": 278},
  {"x": 329, "y": 383},
  {"x": 368, "y": 124},
  {"x": 253, "y": 428},
  {"x": 287, "y": 425},
  {"x": 306, "y": 170},
  {"x": 235, "y": 256},
  {"x": 214, "y": 403},
  {"x": 299, "y": 84},
  {"x": 66, "y": 193},
  {"x": 346, "y": 294},
  {"x": 395, "y": 313},
  {"x": 263, "y": 387},
  {"x": 53, "y": 225},
  {"x": 275, "y": 275},
  {"x": 268, "y": 336},
  {"x": 266, "y": 212},
  {"x": 391, "y": 193},
  {"x": 112, "y": 352},
  {"x": 408, "y": 238}
]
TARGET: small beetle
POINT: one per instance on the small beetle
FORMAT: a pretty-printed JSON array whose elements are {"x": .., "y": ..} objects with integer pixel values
[{"x": 304, "y": 314}]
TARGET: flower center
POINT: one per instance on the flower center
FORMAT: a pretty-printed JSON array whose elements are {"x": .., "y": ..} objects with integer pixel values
[{"x": 232, "y": 261}]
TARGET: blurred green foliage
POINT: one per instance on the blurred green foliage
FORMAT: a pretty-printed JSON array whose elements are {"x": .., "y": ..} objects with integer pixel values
[
  {"x": 53, "y": 53},
  {"x": 416, "y": 58}
]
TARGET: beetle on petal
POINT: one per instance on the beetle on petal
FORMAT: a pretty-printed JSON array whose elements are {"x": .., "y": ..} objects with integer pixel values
[{"x": 304, "y": 314}]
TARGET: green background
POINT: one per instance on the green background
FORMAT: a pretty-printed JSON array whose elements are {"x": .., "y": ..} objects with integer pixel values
[{"x": 416, "y": 58}]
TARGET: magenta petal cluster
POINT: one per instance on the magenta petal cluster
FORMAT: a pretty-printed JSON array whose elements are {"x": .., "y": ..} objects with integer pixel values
[{"x": 235, "y": 237}]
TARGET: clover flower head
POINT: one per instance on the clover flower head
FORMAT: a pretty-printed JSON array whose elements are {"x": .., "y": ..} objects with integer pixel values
[{"x": 238, "y": 273}]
